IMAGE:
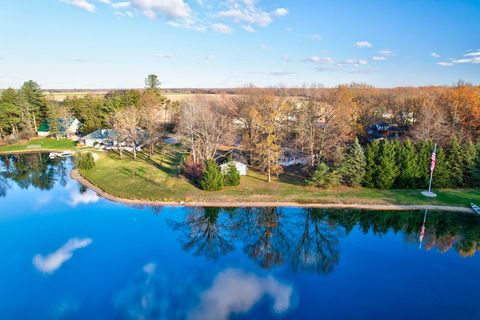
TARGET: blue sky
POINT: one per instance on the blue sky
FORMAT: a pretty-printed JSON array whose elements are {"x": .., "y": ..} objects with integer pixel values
[{"x": 207, "y": 43}]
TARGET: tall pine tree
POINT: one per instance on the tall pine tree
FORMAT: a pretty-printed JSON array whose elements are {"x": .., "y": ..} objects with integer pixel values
[
  {"x": 470, "y": 156},
  {"x": 352, "y": 169},
  {"x": 387, "y": 166},
  {"x": 212, "y": 177},
  {"x": 455, "y": 159},
  {"x": 371, "y": 154},
  {"x": 441, "y": 176},
  {"x": 408, "y": 163},
  {"x": 424, "y": 156}
]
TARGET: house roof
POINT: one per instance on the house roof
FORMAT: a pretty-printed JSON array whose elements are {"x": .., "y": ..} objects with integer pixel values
[
  {"x": 102, "y": 134},
  {"x": 237, "y": 163},
  {"x": 62, "y": 124}
]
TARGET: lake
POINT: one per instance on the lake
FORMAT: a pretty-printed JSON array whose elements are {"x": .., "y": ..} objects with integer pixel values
[{"x": 67, "y": 254}]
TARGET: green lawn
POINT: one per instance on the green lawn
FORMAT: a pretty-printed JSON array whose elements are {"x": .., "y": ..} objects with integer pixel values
[
  {"x": 156, "y": 179},
  {"x": 40, "y": 144}
]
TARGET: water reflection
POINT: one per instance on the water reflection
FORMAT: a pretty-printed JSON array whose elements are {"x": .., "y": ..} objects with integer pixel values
[
  {"x": 308, "y": 240},
  {"x": 32, "y": 170}
]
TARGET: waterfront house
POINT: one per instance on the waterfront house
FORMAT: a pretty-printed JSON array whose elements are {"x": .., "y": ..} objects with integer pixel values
[
  {"x": 101, "y": 138},
  {"x": 67, "y": 127}
]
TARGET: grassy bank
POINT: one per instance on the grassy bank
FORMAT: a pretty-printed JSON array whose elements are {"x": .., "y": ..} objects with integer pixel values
[
  {"x": 156, "y": 179},
  {"x": 39, "y": 144}
]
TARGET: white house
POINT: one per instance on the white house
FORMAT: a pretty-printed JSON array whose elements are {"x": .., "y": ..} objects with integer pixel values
[
  {"x": 105, "y": 137},
  {"x": 290, "y": 158},
  {"x": 241, "y": 167}
]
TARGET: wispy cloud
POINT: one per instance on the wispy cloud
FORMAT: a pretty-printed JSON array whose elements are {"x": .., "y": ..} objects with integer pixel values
[
  {"x": 171, "y": 9},
  {"x": 247, "y": 11},
  {"x": 445, "y": 64},
  {"x": 363, "y": 44},
  {"x": 221, "y": 28},
  {"x": 314, "y": 37},
  {"x": 468, "y": 58},
  {"x": 248, "y": 28},
  {"x": 82, "y": 4},
  {"x": 435, "y": 55},
  {"x": 319, "y": 60},
  {"x": 53, "y": 261}
]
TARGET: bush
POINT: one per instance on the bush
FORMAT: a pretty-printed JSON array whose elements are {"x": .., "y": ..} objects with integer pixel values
[
  {"x": 323, "y": 177},
  {"x": 212, "y": 177},
  {"x": 84, "y": 161},
  {"x": 192, "y": 170},
  {"x": 232, "y": 176}
]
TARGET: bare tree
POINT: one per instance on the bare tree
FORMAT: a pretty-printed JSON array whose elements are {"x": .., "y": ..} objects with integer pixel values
[
  {"x": 204, "y": 126},
  {"x": 126, "y": 122}
]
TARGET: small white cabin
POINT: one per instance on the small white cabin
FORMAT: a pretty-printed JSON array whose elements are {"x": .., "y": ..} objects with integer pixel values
[{"x": 241, "y": 167}]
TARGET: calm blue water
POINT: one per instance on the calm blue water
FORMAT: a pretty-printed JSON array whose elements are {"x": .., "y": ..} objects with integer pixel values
[{"x": 66, "y": 254}]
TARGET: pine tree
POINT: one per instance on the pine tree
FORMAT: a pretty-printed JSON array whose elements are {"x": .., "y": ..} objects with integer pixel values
[
  {"x": 476, "y": 168},
  {"x": 232, "y": 175},
  {"x": 455, "y": 161},
  {"x": 424, "y": 158},
  {"x": 441, "y": 176},
  {"x": 387, "y": 166},
  {"x": 323, "y": 177},
  {"x": 408, "y": 163},
  {"x": 212, "y": 177},
  {"x": 352, "y": 169},
  {"x": 371, "y": 155},
  {"x": 470, "y": 156}
]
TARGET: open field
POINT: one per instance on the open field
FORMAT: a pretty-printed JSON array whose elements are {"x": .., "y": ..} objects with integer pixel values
[
  {"x": 156, "y": 180},
  {"x": 39, "y": 144}
]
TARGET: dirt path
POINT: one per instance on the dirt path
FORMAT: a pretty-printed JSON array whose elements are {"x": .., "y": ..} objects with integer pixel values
[{"x": 76, "y": 176}]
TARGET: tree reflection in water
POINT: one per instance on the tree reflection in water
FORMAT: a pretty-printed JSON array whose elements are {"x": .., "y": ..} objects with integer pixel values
[
  {"x": 308, "y": 240},
  {"x": 32, "y": 170},
  {"x": 205, "y": 233}
]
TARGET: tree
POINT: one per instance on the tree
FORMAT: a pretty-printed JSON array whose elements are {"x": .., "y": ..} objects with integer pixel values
[
  {"x": 441, "y": 175},
  {"x": 352, "y": 169},
  {"x": 408, "y": 163},
  {"x": 212, "y": 177},
  {"x": 232, "y": 175},
  {"x": 203, "y": 127},
  {"x": 424, "y": 158},
  {"x": 322, "y": 177},
  {"x": 34, "y": 104},
  {"x": 151, "y": 105},
  {"x": 455, "y": 160},
  {"x": 152, "y": 82},
  {"x": 267, "y": 117},
  {"x": 476, "y": 168},
  {"x": 372, "y": 152},
  {"x": 126, "y": 122},
  {"x": 469, "y": 151},
  {"x": 387, "y": 169}
]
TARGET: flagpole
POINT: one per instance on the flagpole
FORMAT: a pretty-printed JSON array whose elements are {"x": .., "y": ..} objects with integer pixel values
[
  {"x": 431, "y": 171},
  {"x": 422, "y": 230}
]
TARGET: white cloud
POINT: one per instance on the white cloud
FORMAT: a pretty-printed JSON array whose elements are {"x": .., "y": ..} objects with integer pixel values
[
  {"x": 473, "y": 54},
  {"x": 82, "y": 4},
  {"x": 221, "y": 28},
  {"x": 248, "y": 28},
  {"x": 76, "y": 197},
  {"x": 123, "y": 4},
  {"x": 320, "y": 60},
  {"x": 280, "y": 12},
  {"x": 467, "y": 60},
  {"x": 172, "y": 9},
  {"x": 165, "y": 55},
  {"x": 445, "y": 64},
  {"x": 379, "y": 58},
  {"x": 363, "y": 44},
  {"x": 314, "y": 37},
  {"x": 54, "y": 260},
  {"x": 386, "y": 53},
  {"x": 234, "y": 292},
  {"x": 435, "y": 55},
  {"x": 355, "y": 62},
  {"x": 264, "y": 47}
]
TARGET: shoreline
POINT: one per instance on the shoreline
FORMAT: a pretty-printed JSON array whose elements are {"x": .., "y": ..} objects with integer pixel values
[{"x": 75, "y": 175}]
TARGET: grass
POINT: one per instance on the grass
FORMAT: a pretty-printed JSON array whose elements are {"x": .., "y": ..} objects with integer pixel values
[
  {"x": 156, "y": 179},
  {"x": 39, "y": 144}
]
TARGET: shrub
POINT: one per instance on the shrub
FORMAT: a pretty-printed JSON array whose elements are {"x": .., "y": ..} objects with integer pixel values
[
  {"x": 232, "y": 176},
  {"x": 191, "y": 170},
  {"x": 84, "y": 161},
  {"x": 212, "y": 177},
  {"x": 323, "y": 177}
]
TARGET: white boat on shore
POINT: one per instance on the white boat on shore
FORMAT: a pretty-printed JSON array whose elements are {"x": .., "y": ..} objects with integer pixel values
[
  {"x": 475, "y": 208},
  {"x": 62, "y": 154}
]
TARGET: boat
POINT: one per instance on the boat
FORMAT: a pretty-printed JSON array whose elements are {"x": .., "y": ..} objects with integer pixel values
[
  {"x": 63, "y": 154},
  {"x": 475, "y": 208}
]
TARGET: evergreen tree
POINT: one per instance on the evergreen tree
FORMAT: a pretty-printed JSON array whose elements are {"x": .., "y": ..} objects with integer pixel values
[
  {"x": 476, "y": 168},
  {"x": 455, "y": 161},
  {"x": 441, "y": 176},
  {"x": 54, "y": 126},
  {"x": 232, "y": 176},
  {"x": 387, "y": 168},
  {"x": 424, "y": 158},
  {"x": 323, "y": 177},
  {"x": 408, "y": 163},
  {"x": 212, "y": 177},
  {"x": 470, "y": 156},
  {"x": 371, "y": 155},
  {"x": 352, "y": 169}
]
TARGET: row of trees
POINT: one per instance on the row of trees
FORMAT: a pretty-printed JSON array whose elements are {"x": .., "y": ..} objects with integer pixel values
[{"x": 394, "y": 164}]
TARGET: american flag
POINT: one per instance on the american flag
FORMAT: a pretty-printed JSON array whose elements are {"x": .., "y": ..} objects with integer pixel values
[{"x": 434, "y": 158}]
